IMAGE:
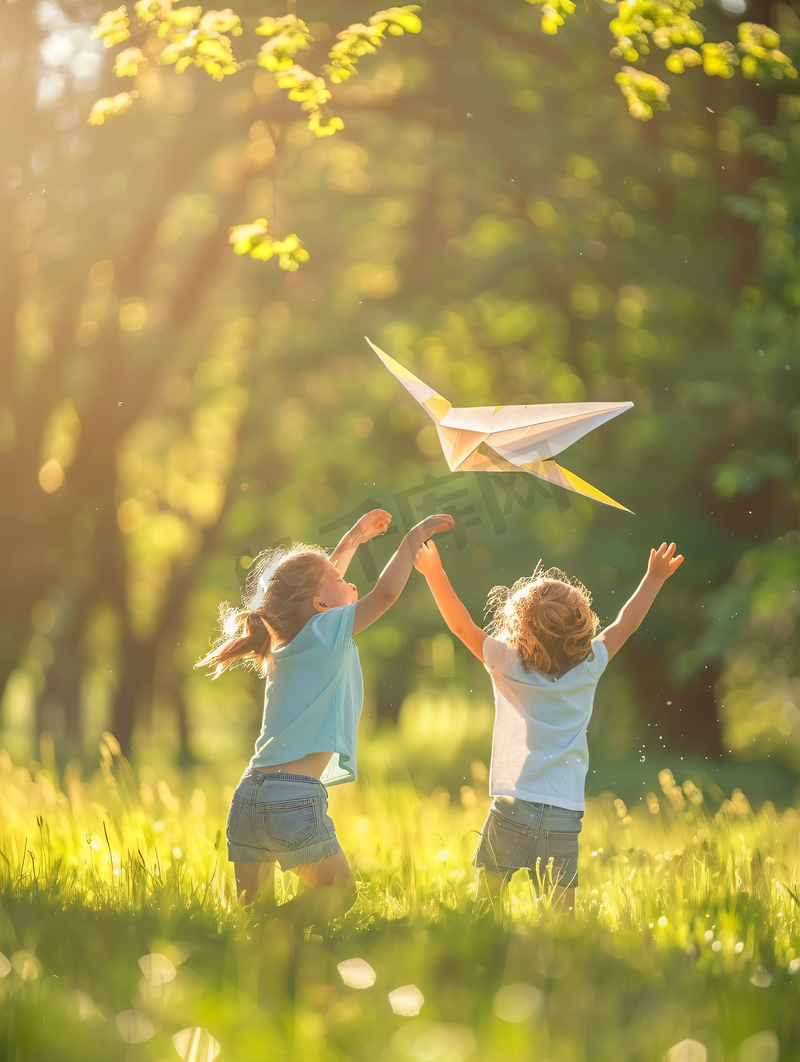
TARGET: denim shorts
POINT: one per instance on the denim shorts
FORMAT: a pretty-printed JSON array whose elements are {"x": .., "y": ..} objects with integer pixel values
[
  {"x": 280, "y": 818},
  {"x": 517, "y": 833}
]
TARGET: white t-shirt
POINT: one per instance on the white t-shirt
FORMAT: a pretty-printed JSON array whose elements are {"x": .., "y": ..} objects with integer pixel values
[{"x": 539, "y": 748}]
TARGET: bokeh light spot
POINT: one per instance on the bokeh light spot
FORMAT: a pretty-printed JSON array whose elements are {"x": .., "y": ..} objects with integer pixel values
[
  {"x": 134, "y": 1027},
  {"x": 25, "y": 965},
  {"x": 687, "y": 1051},
  {"x": 196, "y": 1045},
  {"x": 157, "y": 968},
  {"x": 132, "y": 315},
  {"x": 406, "y": 1000},
  {"x": 762, "y": 1047},
  {"x": 51, "y": 476},
  {"x": 85, "y": 1007},
  {"x": 444, "y": 1043},
  {"x": 514, "y": 1003},
  {"x": 357, "y": 973}
]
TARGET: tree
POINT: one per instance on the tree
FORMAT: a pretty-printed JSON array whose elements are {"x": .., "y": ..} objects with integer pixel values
[
  {"x": 187, "y": 37},
  {"x": 490, "y": 215}
]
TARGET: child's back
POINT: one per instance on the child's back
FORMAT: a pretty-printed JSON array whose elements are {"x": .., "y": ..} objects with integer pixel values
[
  {"x": 539, "y": 748},
  {"x": 545, "y": 662}
]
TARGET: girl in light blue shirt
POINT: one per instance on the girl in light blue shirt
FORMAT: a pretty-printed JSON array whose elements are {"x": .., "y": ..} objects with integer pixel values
[
  {"x": 545, "y": 658},
  {"x": 296, "y": 629}
]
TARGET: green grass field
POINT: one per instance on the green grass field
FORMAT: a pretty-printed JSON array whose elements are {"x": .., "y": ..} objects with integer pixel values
[{"x": 684, "y": 944}]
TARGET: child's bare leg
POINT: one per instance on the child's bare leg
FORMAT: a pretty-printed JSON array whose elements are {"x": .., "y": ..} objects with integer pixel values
[
  {"x": 491, "y": 888},
  {"x": 330, "y": 889},
  {"x": 251, "y": 878},
  {"x": 332, "y": 870}
]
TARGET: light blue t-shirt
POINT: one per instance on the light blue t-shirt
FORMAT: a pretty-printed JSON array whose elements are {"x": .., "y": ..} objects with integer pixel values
[
  {"x": 314, "y": 696},
  {"x": 539, "y": 748}
]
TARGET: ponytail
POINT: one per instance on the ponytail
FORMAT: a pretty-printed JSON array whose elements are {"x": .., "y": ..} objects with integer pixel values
[
  {"x": 248, "y": 638},
  {"x": 277, "y": 603}
]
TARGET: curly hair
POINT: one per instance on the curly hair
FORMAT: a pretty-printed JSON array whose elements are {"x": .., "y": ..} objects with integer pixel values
[
  {"x": 547, "y": 617},
  {"x": 277, "y": 602}
]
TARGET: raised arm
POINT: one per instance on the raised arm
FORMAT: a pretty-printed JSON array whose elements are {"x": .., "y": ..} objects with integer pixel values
[
  {"x": 395, "y": 575},
  {"x": 663, "y": 562},
  {"x": 452, "y": 608},
  {"x": 374, "y": 523}
]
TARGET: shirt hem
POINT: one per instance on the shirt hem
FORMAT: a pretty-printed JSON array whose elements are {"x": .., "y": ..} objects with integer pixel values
[
  {"x": 338, "y": 781},
  {"x": 350, "y": 776},
  {"x": 539, "y": 798}
]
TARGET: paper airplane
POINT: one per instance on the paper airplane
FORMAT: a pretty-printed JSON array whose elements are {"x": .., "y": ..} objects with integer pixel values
[{"x": 510, "y": 438}]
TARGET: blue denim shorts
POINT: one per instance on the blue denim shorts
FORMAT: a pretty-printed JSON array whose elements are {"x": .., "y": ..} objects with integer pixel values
[
  {"x": 517, "y": 833},
  {"x": 280, "y": 818}
]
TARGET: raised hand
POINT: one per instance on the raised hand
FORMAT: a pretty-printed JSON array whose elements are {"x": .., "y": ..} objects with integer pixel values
[
  {"x": 428, "y": 560},
  {"x": 374, "y": 523},
  {"x": 394, "y": 576},
  {"x": 434, "y": 525},
  {"x": 663, "y": 561}
]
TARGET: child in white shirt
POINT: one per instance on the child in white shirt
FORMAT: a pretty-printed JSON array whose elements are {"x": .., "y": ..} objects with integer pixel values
[{"x": 545, "y": 659}]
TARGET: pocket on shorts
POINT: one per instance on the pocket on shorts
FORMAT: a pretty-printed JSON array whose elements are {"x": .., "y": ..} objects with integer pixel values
[
  {"x": 561, "y": 845},
  {"x": 234, "y": 814},
  {"x": 502, "y": 840},
  {"x": 291, "y": 823}
]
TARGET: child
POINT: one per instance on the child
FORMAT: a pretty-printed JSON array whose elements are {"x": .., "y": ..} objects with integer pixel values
[
  {"x": 545, "y": 662},
  {"x": 295, "y": 628}
]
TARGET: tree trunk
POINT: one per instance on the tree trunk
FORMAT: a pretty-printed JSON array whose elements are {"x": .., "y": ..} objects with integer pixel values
[
  {"x": 36, "y": 529},
  {"x": 58, "y": 705},
  {"x": 169, "y": 688},
  {"x": 136, "y": 686}
]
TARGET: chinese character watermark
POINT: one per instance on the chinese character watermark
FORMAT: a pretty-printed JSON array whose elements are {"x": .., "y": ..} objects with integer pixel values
[
  {"x": 485, "y": 500},
  {"x": 470, "y": 500}
]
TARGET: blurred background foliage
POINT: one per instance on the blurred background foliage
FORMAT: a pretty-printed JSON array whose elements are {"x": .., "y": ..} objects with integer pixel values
[{"x": 494, "y": 218}]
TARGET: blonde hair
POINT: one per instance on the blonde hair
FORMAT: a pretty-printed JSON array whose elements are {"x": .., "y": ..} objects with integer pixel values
[
  {"x": 277, "y": 602},
  {"x": 547, "y": 618}
]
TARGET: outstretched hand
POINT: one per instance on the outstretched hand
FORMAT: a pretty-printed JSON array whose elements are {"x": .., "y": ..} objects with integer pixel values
[
  {"x": 395, "y": 575},
  {"x": 434, "y": 525},
  {"x": 373, "y": 524},
  {"x": 663, "y": 561},
  {"x": 428, "y": 560}
]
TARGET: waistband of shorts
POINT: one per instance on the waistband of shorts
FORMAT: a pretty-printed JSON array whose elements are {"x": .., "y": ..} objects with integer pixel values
[
  {"x": 253, "y": 772},
  {"x": 537, "y": 806}
]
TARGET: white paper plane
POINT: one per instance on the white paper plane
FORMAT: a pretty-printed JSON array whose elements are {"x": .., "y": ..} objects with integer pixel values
[{"x": 510, "y": 438}]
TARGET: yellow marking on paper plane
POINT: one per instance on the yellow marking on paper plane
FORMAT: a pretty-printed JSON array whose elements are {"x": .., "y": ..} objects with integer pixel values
[
  {"x": 437, "y": 406},
  {"x": 582, "y": 487}
]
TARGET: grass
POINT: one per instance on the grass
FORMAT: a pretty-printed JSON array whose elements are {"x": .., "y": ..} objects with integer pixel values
[{"x": 688, "y": 929}]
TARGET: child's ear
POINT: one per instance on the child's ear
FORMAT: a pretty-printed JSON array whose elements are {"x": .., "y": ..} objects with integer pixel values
[{"x": 319, "y": 605}]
